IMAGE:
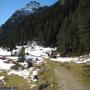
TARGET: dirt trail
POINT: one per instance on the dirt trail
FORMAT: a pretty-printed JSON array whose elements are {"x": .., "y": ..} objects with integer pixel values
[{"x": 67, "y": 80}]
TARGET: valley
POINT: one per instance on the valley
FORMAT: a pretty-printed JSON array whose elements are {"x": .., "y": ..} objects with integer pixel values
[{"x": 45, "y": 45}]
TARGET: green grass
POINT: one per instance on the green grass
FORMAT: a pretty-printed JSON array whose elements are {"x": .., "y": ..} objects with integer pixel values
[{"x": 15, "y": 81}]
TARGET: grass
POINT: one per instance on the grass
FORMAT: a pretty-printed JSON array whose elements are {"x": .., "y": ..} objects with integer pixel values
[
  {"x": 48, "y": 76},
  {"x": 15, "y": 81},
  {"x": 45, "y": 75},
  {"x": 82, "y": 71}
]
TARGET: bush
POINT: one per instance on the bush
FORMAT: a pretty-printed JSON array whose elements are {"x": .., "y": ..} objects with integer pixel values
[{"x": 21, "y": 56}]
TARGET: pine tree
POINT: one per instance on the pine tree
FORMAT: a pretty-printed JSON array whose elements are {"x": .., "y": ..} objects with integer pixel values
[{"x": 84, "y": 25}]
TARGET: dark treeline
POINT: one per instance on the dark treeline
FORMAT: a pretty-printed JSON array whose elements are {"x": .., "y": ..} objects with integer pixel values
[{"x": 66, "y": 24}]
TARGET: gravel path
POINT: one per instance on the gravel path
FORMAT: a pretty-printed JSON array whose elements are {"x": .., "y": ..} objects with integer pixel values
[{"x": 67, "y": 80}]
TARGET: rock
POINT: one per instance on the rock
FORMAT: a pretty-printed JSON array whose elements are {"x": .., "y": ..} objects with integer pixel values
[
  {"x": 2, "y": 80},
  {"x": 35, "y": 73},
  {"x": 43, "y": 86},
  {"x": 21, "y": 59},
  {"x": 33, "y": 86},
  {"x": 34, "y": 76}
]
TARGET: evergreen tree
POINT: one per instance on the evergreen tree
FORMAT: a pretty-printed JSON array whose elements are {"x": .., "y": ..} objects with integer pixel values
[
  {"x": 21, "y": 56},
  {"x": 84, "y": 25},
  {"x": 65, "y": 24}
]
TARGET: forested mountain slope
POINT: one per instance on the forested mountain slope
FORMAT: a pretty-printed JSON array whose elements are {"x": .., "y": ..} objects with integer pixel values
[{"x": 66, "y": 24}]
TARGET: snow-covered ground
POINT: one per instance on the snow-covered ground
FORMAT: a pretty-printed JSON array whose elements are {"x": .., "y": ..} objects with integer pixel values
[
  {"x": 34, "y": 52},
  {"x": 4, "y": 52},
  {"x": 64, "y": 59},
  {"x": 24, "y": 73},
  {"x": 5, "y": 66},
  {"x": 73, "y": 59},
  {"x": 79, "y": 59}
]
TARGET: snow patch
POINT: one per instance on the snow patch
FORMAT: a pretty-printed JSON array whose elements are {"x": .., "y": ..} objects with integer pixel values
[
  {"x": 22, "y": 73},
  {"x": 5, "y": 66},
  {"x": 64, "y": 59},
  {"x": 4, "y": 52},
  {"x": 73, "y": 59}
]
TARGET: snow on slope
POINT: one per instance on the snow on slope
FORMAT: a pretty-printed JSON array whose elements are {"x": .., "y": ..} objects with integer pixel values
[
  {"x": 72, "y": 59},
  {"x": 5, "y": 66},
  {"x": 4, "y": 52},
  {"x": 23, "y": 73},
  {"x": 34, "y": 51},
  {"x": 68, "y": 59},
  {"x": 37, "y": 51}
]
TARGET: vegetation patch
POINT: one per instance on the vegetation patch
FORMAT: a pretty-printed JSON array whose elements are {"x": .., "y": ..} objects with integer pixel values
[
  {"x": 47, "y": 78},
  {"x": 15, "y": 81}
]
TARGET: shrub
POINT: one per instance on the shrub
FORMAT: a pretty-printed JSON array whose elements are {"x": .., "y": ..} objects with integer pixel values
[{"x": 21, "y": 56}]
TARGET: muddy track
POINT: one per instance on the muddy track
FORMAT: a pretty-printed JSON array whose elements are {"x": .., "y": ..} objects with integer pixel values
[{"x": 67, "y": 80}]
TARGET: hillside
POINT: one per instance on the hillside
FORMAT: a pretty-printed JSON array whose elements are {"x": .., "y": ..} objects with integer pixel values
[{"x": 66, "y": 24}]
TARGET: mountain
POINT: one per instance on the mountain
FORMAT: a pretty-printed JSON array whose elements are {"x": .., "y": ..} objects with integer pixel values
[
  {"x": 65, "y": 24},
  {"x": 17, "y": 18},
  {"x": 27, "y": 10},
  {"x": 20, "y": 14}
]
